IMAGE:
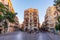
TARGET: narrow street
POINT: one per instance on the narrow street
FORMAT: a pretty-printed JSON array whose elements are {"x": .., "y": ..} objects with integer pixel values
[{"x": 27, "y": 36}]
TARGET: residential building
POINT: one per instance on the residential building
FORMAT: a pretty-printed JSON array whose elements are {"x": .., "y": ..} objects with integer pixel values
[
  {"x": 15, "y": 26},
  {"x": 31, "y": 19},
  {"x": 51, "y": 17},
  {"x": 11, "y": 26}
]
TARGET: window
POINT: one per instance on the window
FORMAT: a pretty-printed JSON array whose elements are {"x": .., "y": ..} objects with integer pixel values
[
  {"x": 30, "y": 13},
  {"x": 30, "y": 20},
  {"x": 35, "y": 25},
  {"x": 5, "y": 2},
  {"x": 35, "y": 20},
  {"x": 55, "y": 13},
  {"x": 26, "y": 24},
  {"x": 30, "y": 24}
]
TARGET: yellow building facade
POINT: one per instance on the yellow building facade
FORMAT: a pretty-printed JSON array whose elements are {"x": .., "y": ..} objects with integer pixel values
[
  {"x": 10, "y": 6},
  {"x": 8, "y": 3},
  {"x": 51, "y": 17}
]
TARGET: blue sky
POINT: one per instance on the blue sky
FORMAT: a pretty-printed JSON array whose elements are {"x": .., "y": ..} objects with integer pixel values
[{"x": 20, "y": 5}]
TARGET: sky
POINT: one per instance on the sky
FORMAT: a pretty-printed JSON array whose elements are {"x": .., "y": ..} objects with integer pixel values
[{"x": 42, "y": 5}]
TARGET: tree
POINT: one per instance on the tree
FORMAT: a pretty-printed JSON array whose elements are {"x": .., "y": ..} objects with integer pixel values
[
  {"x": 1, "y": 17},
  {"x": 6, "y": 15},
  {"x": 57, "y": 4},
  {"x": 10, "y": 16},
  {"x": 57, "y": 27}
]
